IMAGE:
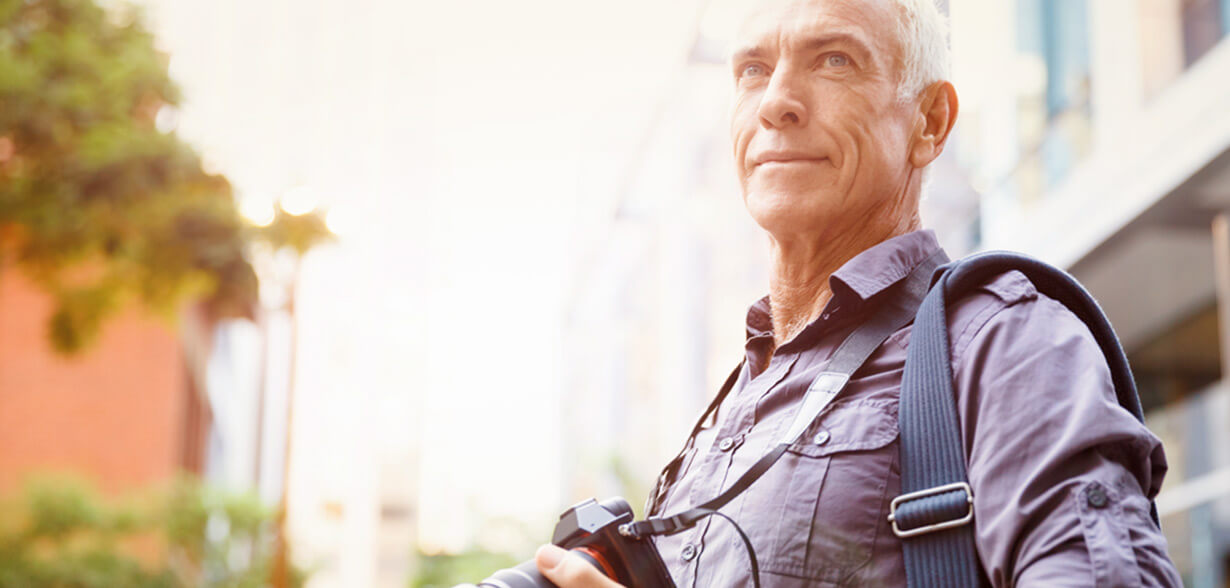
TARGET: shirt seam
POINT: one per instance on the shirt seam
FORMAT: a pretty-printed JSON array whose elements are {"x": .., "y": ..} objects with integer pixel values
[{"x": 965, "y": 338}]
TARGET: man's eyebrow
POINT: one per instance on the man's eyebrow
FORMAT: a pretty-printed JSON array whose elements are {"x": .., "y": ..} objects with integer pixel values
[
  {"x": 809, "y": 44},
  {"x": 835, "y": 38},
  {"x": 747, "y": 53}
]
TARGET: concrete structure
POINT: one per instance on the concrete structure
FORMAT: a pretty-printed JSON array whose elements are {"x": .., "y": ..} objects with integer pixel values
[{"x": 1100, "y": 139}]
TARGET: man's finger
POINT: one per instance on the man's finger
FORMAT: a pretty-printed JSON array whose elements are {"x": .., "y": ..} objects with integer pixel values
[{"x": 569, "y": 570}]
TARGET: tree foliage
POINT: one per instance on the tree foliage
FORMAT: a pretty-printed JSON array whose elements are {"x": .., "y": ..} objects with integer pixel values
[
  {"x": 61, "y": 534},
  {"x": 96, "y": 204}
]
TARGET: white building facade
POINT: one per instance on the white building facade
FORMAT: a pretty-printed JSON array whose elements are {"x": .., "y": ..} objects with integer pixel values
[{"x": 1098, "y": 132}]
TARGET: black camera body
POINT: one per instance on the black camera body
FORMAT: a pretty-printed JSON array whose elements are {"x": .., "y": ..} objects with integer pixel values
[{"x": 591, "y": 530}]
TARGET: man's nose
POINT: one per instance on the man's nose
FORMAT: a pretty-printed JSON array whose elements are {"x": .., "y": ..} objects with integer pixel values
[{"x": 783, "y": 103}]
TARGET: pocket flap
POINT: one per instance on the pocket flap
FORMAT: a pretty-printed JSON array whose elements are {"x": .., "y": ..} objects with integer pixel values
[{"x": 850, "y": 426}]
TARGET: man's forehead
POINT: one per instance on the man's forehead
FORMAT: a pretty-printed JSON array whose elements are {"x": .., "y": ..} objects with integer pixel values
[{"x": 768, "y": 21}]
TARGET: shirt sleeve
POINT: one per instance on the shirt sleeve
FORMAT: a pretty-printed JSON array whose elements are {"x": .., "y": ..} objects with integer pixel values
[{"x": 1062, "y": 475}]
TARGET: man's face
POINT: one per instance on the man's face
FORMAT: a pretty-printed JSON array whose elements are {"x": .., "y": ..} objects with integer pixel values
[{"x": 820, "y": 138}]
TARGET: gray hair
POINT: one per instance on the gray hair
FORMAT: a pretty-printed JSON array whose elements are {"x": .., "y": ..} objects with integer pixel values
[{"x": 923, "y": 33}]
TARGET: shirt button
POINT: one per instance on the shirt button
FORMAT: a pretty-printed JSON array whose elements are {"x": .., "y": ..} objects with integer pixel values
[
  {"x": 726, "y": 444},
  {"x": 1096, "y": 497},
  {"x": 821, "y": 438},
  {"x": 689, "y": 552}
]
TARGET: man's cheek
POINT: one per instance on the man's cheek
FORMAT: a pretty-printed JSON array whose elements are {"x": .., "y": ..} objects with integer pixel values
[{"x": 741, "y": 143}]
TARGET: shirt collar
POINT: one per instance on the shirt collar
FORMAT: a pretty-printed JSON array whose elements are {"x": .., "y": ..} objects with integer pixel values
[
  {"x": 860, "y": 278},
  {"x": 881, "y": 266}
]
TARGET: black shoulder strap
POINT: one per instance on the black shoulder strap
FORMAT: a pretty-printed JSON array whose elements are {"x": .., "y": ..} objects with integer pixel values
[
  {"x": 934, "y": 513},
  {"x": 665, "y": 479},
  {"x": 896, "y": 312}
]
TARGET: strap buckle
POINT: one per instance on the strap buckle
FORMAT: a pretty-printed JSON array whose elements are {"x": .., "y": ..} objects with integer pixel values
[{"x": 940, "y": 526}]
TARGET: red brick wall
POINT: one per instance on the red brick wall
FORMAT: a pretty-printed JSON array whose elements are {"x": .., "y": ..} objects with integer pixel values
[{"x": 118, "y": 413}]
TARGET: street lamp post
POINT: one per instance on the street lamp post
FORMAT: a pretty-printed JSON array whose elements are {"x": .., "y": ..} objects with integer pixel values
[
  {"x": 283, "y": 236},
  {"x": 300, "y": 232},
  {"x": 280, "y": 577}
]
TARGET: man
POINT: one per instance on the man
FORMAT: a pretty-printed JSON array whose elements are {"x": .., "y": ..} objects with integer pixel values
[{"x": 840, "y": 105}]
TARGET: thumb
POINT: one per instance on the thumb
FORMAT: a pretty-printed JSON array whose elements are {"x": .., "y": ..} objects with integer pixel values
[{"x": 569, "y": 570}]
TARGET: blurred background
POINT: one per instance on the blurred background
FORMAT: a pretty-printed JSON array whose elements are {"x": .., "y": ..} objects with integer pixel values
[{"x": 365, "y": 293}]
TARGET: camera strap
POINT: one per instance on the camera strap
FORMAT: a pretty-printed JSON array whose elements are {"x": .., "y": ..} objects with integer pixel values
[{"x": 897, "y": 311}]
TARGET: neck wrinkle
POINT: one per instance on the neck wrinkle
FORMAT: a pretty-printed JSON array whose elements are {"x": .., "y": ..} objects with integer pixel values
[{"x": 800, "y": 270}]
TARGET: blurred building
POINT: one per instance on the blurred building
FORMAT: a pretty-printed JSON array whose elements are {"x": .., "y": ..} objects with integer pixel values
[
  {"x": 149, "y": 400},
  {"x": 286, "y": 97},
  {"x": 127, "y": 413},
  {"x": 665, "y": 275},
  {"x": 1098, "y": 133}
]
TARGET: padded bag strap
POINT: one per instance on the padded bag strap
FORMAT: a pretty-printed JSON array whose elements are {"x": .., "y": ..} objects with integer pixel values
[{"x": 934, "y": 514}]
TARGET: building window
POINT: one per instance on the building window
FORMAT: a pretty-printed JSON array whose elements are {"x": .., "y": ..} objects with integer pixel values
[
  {"x": 1204, "y": 25},
  {"x": 1177, "y": 33},
  {"x": 1053, "y": 106}
]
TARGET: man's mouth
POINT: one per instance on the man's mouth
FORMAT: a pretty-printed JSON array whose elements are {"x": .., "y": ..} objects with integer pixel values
[{"x": 776, "y": 158}]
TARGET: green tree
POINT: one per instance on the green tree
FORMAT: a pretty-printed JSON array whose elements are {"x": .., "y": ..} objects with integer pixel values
[
  {"x": 97, "y": 205},
  {"x": 60, "y": 534}
]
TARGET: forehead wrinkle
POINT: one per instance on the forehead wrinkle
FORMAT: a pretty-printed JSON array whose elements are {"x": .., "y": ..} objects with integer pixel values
[{"x": 768, "y": 27}]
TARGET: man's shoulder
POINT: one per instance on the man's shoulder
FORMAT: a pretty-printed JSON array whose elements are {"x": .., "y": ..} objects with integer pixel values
[
  {"x": 998, "y": 298},
  {"x": 1010, "y": 288},
  {"x": 1004, "y": 309},
  {"x": 1009, "y": 313}
]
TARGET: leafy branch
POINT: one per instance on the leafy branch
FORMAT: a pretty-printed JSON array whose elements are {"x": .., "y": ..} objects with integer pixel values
[{"x": 97, "y": 205}]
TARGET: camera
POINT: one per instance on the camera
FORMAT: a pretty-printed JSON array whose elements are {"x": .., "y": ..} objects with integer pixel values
[{"x": 591, "y": 530}]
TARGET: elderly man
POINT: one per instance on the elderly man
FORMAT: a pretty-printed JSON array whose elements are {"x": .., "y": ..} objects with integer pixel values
[{"x": 840, "y": 105}]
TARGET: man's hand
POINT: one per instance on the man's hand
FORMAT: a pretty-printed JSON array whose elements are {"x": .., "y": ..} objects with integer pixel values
[{"x": 569, "y": 570}]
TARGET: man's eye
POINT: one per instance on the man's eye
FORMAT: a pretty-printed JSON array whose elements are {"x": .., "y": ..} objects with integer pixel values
[
  {"x": 751, "y": 69},
  {"x": 836, "y": 60}
]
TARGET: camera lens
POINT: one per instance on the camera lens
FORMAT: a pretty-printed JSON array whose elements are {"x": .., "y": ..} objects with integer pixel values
[{"x": 526, "y": 575}]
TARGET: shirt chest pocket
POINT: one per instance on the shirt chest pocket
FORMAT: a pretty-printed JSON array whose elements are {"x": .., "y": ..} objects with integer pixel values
[{"x": 814, "y": 515}]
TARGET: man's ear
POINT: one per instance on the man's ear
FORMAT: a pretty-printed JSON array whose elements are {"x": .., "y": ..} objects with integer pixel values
[{"x": 937, "y": 112}]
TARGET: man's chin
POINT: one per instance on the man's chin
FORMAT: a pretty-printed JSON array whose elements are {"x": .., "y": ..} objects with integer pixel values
[{"x": 783, "y": 212}]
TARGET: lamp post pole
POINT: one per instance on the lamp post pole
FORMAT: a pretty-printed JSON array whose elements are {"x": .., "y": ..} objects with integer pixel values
[
  {"x": 296, "y": 227},
  {"x": 281, "y": 565}
]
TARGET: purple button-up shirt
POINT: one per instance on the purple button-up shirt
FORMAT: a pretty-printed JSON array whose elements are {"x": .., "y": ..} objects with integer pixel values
[{"x": 1062, "y": 475}]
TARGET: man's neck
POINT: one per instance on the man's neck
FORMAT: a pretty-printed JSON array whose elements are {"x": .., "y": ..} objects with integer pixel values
[{"x": 799, "y": 275}]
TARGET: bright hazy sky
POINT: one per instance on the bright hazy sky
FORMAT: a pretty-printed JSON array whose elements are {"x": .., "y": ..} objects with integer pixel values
[{"x": 464, "y": 148}]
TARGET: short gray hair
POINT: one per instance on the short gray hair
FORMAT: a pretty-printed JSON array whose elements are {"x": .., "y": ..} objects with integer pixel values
[{"x": 923, "y": 33}]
